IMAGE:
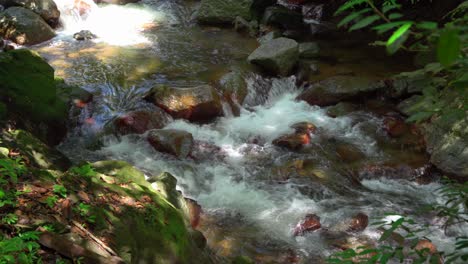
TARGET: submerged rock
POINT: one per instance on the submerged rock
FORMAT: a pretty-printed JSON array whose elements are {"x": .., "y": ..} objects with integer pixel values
[
  {"x": 310, "y": 223},
  {"x": 278, "y": 56},
  {"x": 358, "y": 222},
  {"x": 309, "y": 50},
  {"x": 24, "y": 27},
  {"x": 223, "y": 11},
  {"x": 293, "y": 141},
  {"x": 199, "y": 103},
  {"x": 176, "y": 142},
  {"x": 84, "y": 35},
  {"x": 47, "y": 9},
  {"x": 338, "y": 88}
]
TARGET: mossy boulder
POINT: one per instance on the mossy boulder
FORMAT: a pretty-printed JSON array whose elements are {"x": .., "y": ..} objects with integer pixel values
[
  {"x": 37, "y": 152},
  {"x": 223, "y": 11},
  {"x": 29, "y": 90},
  {"x": 277, "y": 56},
  {"x": 24, "y": 27}
]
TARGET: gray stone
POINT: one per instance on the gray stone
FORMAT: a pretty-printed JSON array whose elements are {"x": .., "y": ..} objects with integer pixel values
[
  {"x": 278, "y": 56},
  {"x": 47, "y": 9},
  {"x": 282, "y": 17},
  {"x": 24, "y": 27},
  {"x": 269, "y": 36},
  {"x": 176, "y": 142},
  {"x": 309, "y": 50}
]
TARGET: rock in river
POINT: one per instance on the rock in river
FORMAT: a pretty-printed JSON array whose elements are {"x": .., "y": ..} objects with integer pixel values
[
  {"x": 278, "y": 56},
  {"x": 339, "y": 88},
  {"x": 176, "y": 142},
  {"x": 223, "y": 11},
  {"x": 47, "y": 9},
  {"x": 198, "y": 103}
]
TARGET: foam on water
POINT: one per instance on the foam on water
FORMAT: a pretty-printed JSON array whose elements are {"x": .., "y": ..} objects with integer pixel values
[
  {"x": 113, "y": 24},
  {"x": 274, "y": 209}
]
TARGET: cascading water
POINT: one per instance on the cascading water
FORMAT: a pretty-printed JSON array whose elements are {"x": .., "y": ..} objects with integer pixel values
[{"x": 253, "y": 193}]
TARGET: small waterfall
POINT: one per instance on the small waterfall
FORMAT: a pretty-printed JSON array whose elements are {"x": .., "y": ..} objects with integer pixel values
[{"x": 113, "y": 24}]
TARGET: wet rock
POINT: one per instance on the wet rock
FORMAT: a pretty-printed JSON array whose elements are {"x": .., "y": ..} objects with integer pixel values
[
  {"x": 310, "y": 223},
  {"x": 47, "y": 9},
  {"x": 233, "y": 86},
  {"x": 176, "y": 142},
  {"x": 223, "y": 11},
  {"x": 339, "y": 88},
  {"x": 358, "y": 222},
  {"x": 304, "y": 127},
  {"x": 427, "y": 246},
  {"x": 309, "y": 50},
  {"x": 138, "y": 122},
  {"x": 117, "y": 2},
  {"x": 199, "y": 103},
  {"x": 269, "y": 36},
  {"x": 293, "y": 141},
  {"x": 447, "y": 142},
  {"x": 278, "y": 56},
  {"x": 194, "y": 212},
  {"x": 395, "y": 126},
  {"x": 282, "y": 17},
  {"x": 24, "y": 27},
  {"x": 349, "y": 153},
  {"x": 243, "y": 26},
  {"x": 409, "y": 83},
  {"x": 406, "y": 106},
  {"x": 84, "y": 35},
  {"x": 341, "y": 109}
]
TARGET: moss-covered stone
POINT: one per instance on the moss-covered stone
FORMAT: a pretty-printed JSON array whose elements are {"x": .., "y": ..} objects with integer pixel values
[
  {"x": 28, "y": 81},
  {"x": 28, "y": 89},
  {"x": 38, "y": 153},
  {"x": 224, "y": 11},
  {"x": 122, "y": 171}
]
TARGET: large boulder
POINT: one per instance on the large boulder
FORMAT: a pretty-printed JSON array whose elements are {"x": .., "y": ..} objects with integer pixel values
[
  {"x": 278, "y": 56},
  {"x": 29, "y": 90},
  {"x": 223, "y": 11},
  {"x": 176, "y": 142},
  {"x": 447, "y": 142},
  {"x": 339, "y": 88},
  {"x": 198, "y": 103},
  {"x": 24, "y": 27},
  {"x": 47, "y": 9}
]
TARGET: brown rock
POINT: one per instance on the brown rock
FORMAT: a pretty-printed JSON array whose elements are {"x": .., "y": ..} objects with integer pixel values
[
  {"x": 427, "y": 246},
  {"x": 358, "y": 223},
  {"x": 139, "y": 122},
  {"x": 176, "y": 142},
  {"x": 304, "y": 127},
  {"x": 195, "y": 211},
  {"x": 395, "y": 126},
  {"x": 349, "y": 153},
  {"x": 293, "y": 141},
  {"x": 199, "y": 103},
  {"x": 310, "y": 223}
]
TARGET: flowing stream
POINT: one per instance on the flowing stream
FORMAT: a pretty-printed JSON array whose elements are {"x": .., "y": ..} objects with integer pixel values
[{"x": 253, "y": 194}]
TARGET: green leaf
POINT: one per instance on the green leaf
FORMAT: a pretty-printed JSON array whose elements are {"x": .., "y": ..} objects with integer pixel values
[
  {"x": 387, "y": 8},
  {"x": 348, "y": 5},
  {"x": 390, "y": 231},
  {"x": 448, "y": 47},
  {"x": 387, "y": 26},
  {"x": 398, "y": 38},
  {"x": 365, "y": 22},
  {"x": 427, "y": 25},
  {"x": 420, "y": 116},
  {"x": 395, "y": 16},
  {"x": 352, "y": 16}
]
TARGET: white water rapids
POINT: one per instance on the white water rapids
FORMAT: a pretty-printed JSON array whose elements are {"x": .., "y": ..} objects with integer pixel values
[{"x": 238, "y": 185}]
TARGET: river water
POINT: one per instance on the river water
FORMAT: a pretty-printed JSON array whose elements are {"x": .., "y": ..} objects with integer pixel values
[{"x": 252, "y": 193}]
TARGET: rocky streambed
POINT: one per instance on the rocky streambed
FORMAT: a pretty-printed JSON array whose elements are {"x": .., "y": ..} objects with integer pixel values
[{"x": 286, "y": 136}]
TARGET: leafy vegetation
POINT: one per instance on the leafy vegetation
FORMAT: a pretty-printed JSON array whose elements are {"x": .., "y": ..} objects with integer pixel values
[
  {"x": 404, "y": 239},
  {"x": 448, "y": 40}
]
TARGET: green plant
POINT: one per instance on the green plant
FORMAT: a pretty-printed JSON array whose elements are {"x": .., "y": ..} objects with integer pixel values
[
  {"x": 51, "y": 201},
  {"x": 85, "y": 210},
  {"x": 10, "y": 219},
  {"x": 20, "y": 249},
  {"x": 85, "y": 170},
  {"x": 60, "y": 190},
  {"x": 400, "y": 237},
  {"x": 11, "y": 168}
]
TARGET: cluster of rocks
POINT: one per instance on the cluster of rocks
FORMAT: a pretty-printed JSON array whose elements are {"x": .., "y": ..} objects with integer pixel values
[{"x": 28, "y": 22}]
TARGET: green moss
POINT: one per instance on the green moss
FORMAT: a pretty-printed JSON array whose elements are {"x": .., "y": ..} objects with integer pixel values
[
  {"x": 122, "y": 171},
  {"x": 38, "y": 153},
  {"x": 27, "y": 81}
]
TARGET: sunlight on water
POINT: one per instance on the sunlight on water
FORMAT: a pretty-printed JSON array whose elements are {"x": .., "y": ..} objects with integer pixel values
[{"x": 112, "y": 24}]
